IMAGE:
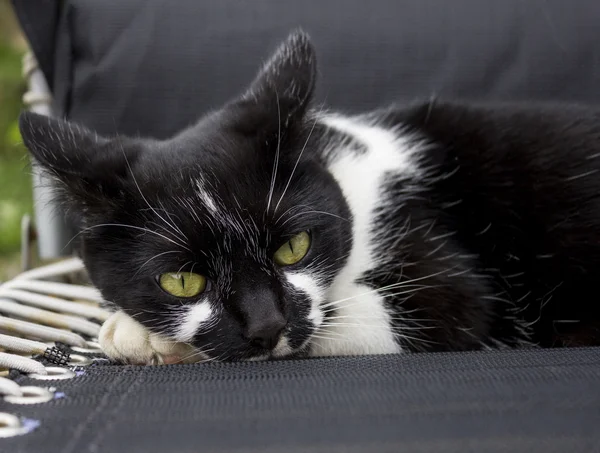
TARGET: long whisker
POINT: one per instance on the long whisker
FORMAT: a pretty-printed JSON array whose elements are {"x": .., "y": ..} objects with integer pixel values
[
  {"x": 395, "y": 330},
  {"x": 383, "y": 288},
  {"x": 154, "y": 257},
  {"x": 276, "y": 163},
  {"x": 293, "y": 208},
  {"x": 297, "y": 162},
  {"x": 337, "y": 307},
  {"x": 122, "y": 225},
  {"x": 138, "y": 186},
  {"x": 358, "y": 324},
  {"x": 313, "y": 212},
  {"x": 324, "y": 337},
  {"x": 172, "y": 224},
  {"x": 199, "y": 352}
]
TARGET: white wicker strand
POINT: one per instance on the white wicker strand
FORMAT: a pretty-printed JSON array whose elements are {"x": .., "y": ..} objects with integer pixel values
[
  {"x": 66, "y": 266},
  {"x": 40, "y": 332},
  {"x": 53, "y": 303},
  {"x": 22, "y": 345},
  {"x": 74, "y": 323},
  {"x": 23, "y": 364},
  {"x": 8, "y": 387},
  {"x": 64, "y": 290}
]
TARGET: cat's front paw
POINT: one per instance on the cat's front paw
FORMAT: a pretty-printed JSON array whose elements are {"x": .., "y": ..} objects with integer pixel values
[{"x": 125, "y": 340}]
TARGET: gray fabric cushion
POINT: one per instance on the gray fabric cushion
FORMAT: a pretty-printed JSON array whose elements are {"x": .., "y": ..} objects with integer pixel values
[
  {"x": 39, "y": 23},
  {"x": 153, "y": 66},
  {"x": 529, "y": 401}
]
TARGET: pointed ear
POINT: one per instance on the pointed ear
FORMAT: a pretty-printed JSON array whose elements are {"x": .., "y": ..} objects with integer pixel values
[
  {"x": 68, "y": 149},
  {"x": 287, "y": 81},
  {"x": 90, "y": 169}
]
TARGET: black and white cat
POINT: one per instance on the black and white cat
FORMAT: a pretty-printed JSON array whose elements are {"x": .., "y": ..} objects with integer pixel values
[{"x": 272, "y": 229}]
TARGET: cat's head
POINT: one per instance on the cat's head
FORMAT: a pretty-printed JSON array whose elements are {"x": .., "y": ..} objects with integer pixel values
[{"x": 225, "y": 236}]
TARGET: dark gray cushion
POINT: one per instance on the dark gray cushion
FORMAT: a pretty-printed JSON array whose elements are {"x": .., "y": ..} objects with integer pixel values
[
  {"x": 509, "y": 402},
  {"x": 152, "y": 67}
]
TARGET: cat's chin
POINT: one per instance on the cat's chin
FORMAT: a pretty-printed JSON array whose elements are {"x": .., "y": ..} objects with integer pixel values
[
  {"x": 268, "y": 357},
  {"x": 282, "y": 351},
  {"x": 273, "y": 356},
  {"x": 296, "y": 354}
]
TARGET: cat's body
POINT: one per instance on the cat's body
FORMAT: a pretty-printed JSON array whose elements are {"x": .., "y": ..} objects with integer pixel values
[
  {"x": 494, "y": 204},
  {"x": 437, "y": 226}
]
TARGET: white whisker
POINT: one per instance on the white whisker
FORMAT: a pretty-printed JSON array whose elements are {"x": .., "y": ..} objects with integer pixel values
[
  {"x": 122, "y": 225},
  {"x": 138, "y": 187},
  {"x": 313, "y": 212},
  {"x": 154, "y": 257},
  {"x": 383, "y": 288},
  {"x": 276, "y": 163},
  {"x": 297, "y": 162}
]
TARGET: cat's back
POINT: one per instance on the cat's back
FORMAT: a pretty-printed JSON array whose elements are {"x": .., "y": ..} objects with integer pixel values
[
  {"x": 540, "y": 161},
  {"x": 537, "y": 166},
  {"x": 536, "y": 137},
  {"x": 516, "y": 186}
]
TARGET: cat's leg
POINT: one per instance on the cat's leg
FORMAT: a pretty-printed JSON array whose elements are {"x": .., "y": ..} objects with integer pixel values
[{"x": 125, "y": 340}]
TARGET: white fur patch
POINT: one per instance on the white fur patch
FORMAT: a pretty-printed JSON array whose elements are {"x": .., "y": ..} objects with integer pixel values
[
  {"x": 205, "y": 196},
  {"x": 193, "y": 319},
  {"x": 258, "y": 358},
  {"x": 360, "y": 323},
  {"x": 310, "y": 286},
  {"x": 283, "y": 348}
]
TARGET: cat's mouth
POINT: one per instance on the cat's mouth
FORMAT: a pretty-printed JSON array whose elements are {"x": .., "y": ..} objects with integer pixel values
[
  {"x": 293, "y": 343},
  {"x": 281, "y": 351}
]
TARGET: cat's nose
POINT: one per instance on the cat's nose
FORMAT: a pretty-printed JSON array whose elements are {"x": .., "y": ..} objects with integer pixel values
[{"x": 267, "y": 332}]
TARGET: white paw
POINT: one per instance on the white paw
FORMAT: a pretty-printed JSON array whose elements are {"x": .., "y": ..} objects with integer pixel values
[{"x": 125, "y": 340}]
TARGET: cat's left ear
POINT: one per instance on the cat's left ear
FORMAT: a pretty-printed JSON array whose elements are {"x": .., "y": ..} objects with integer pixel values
[{"x": 286, "y": 83}]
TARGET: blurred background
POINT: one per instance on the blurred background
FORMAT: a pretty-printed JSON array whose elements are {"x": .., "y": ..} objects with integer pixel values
[{"x": 15, "y": 179}]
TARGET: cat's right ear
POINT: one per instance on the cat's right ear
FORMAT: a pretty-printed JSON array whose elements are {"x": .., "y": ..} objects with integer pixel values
[
  {"x": 90, "y": 167},
  {"x": 69, "y": 150}
]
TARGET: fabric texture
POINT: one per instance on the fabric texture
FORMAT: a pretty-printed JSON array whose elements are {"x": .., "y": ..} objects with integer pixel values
[
  {"x": 150, "y": 67},
  {"x": 516, "y": 401},
  {"x": 39, "y": 21}
]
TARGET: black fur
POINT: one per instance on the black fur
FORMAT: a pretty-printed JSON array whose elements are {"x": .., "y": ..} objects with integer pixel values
[{"x": 518, "y": 189}]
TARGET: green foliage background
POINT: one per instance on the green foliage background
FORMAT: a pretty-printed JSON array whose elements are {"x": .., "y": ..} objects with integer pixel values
[{"x": 15, "y": 179}]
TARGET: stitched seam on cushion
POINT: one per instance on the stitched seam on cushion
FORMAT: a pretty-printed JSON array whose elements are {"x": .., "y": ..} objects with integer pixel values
[
  {"x": 94, "y": 445},
  {"x": 99, "y": 408}
]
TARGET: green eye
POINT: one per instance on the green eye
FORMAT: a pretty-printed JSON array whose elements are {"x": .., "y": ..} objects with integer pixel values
[
  {"x": 182, "y": 284},
  {"x": 293, "y": 250}
]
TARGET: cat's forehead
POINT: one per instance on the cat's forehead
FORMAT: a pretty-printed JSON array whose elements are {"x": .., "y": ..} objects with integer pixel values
[
  {"x": 216, "y": 183},
  {"x": 213, "y": 213}
]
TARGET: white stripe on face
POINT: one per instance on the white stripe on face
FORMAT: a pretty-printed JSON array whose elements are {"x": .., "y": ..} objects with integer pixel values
[
  {"x": 310, "y": 286},
  {"x": 194, "y": 318}
]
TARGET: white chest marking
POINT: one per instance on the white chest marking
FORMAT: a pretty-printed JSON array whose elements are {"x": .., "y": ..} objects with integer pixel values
[{"x": 360, "y": 323}]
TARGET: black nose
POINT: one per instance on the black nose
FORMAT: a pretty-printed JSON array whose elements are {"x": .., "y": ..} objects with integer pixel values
[{"x": 266, "y": 333}]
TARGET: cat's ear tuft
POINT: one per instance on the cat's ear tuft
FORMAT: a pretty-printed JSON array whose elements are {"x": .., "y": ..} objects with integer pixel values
[
  {"x": 287, "y": 80},
  {"x": 90, "y": 170},
  {"x": 58, "y": 145},
  {"x": 71, "y": 151}
]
